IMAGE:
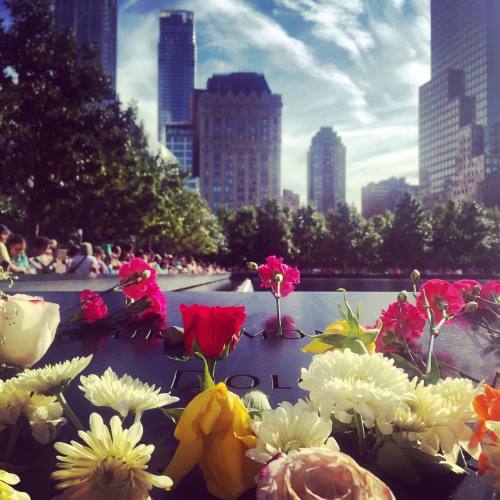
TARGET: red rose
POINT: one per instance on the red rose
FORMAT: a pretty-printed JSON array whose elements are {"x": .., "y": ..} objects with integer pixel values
[
  {"x": 133, "y": 269},
  {"x": 157, "y": 307},
  {"x": 396, "y": 325},
  {"x": 440, "y": 295},
  {"x": 93, "y": 306},
  {"x": 212, "y": 327}
]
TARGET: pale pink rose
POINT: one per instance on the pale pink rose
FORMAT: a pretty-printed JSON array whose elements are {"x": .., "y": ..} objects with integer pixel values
[{"x": 318, "y": 473}]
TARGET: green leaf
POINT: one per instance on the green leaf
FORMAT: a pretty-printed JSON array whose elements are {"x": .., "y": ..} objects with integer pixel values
[
  {"x": 434, "y": 375},
  {"x": 355, "y": 345},
  {"x": 334, "y": 339},
  {"x": 342, "y": 312},
  {"x": 173, "y": 414},
  {"x": 404, "y": 363},
  {"x": 391, "y": 459},
  {"x": 208, "y": 381}
]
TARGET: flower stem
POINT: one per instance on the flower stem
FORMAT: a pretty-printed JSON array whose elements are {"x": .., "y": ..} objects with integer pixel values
[
  {"x": 360, "y": 430},
  {"x": 69, "y": 412},
  {"x": 278, "y": 316},
  {"x": 14, "y": 434}
]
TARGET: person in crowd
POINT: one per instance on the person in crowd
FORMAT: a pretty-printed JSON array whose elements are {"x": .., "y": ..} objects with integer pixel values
[
  {"x": 84, "y": 264},
  {"x": 128, "y": 252},
  {"x": 100, "y": 257},
  {"x": 43, "y": 258},
  {"x": 6, "y": 262},
  {"x": 17, "y": 251}
]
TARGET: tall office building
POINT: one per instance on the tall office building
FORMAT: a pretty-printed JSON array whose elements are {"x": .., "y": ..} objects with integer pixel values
[
  {"x": 238, "y": 131},
  {"x": 377, "y": 197},
  {"x": 326, "y": 164},
  {"x": 176, "y": 68},
  {"x": 459, "y": 109},
  {"x": 93, "y": 22}
]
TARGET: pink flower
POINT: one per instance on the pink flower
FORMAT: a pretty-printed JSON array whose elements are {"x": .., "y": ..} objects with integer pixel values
[
  {"x": 396, "y": 325},
  {"x": 441, "y": 295},
  {"x": 157, "y": 307},
  {"x": 133, "y": 269},
  {"x": 93, "y": 306},
  {"x": 273, "y": 266},
  {"x": 491, "y": 292},
  {"x": 468, "y": 289}
]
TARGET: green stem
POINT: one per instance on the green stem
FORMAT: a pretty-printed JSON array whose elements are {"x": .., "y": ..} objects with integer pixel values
[
  {"x": 360, "y": 429},
  {"x": 278, "y": 316},
  {"x": 14, "y": 434},
  {"x": 69, "y": 412},
  {"x": 211, "y": 363}
]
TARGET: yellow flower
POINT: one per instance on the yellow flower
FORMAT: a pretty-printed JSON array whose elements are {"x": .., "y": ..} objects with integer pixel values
[
  {"x": 123, "y": 394},
  {"x": 215, "y": 431},
  {"x": 109, "y": 465},
  {"x": 339, "y": 328},
  {"x": 6, "y": 490},
  {"x": 51, "y": 379}
]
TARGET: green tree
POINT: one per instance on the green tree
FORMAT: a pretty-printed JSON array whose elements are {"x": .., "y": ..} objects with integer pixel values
[
  {"x": 445, "y": 234},
  {"x": 409, "y": 238},
  {"x": 308, "y": 231},
  {"x": 241, "y": 230}
]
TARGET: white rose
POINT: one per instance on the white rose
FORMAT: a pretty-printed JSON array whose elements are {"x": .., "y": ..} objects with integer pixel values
[{"x": 27, "y": 329}]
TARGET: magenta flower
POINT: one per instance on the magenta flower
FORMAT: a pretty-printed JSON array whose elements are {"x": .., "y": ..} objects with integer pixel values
[
  {"x": 441, "y": 295},
  {"x": 137, "y": 268},
  {"x": 93, "y": 306},
  {"x": 468, "y": 289},
  {"x": 396, "y": 326},
  {"x": 273, "y": 267},
  {"x": 157, "y": 307}
]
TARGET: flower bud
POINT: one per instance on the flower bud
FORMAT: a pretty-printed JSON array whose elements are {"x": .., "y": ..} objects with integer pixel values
[
  {"x": 402, "y": 296},
  {"x": 278, "y": 278},
  {"x": 415, "y": 275},
  {"x": 471, "y": 307},
  {"x": 252, "y": 266},
  {"x": 256, "y": 400},
  {"x": 145, "y": 274}
]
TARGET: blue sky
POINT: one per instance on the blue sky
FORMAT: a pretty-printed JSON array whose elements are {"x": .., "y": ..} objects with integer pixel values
[{"x": 354, "y": 65}]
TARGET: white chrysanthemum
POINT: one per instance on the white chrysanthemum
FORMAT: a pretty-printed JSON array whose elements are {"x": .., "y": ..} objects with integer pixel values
[
  {"x": 290, "y": 427},
  {"x": 422, "y": 413},
  {"x": 453, "y": 431},
  {"x": 123, "y": 394},
  {"x": 108, "y": 465},
  {"x": 52, "y": 379},
  {"x": 342, "y": 382},
  {"x": 44, "y": 413},
  {"x": 7, "y": 492}
]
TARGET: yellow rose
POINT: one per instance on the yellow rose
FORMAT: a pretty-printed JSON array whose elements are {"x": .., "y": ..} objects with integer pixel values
[
  {"x": 339, "y": 328},
  {"x": 215, "y": 432},
  {"x": 27, "y": 327}
]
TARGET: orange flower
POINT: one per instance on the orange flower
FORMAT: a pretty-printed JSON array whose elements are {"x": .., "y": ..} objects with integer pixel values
[{"x": 487, "y": 407}]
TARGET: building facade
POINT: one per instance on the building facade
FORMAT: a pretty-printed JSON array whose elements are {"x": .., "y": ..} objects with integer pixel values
[
  {"x": 93, "y": 22},
  {"x": 377, "y": 197},
  {"x": 459, "y": 108},
  {"x": 291, "y": 199},
  {"x": 180, "y": 141},
  {"x": 238, "y": 137},
  {"x": 326, "y": 170},
  {"x": 176, "y": 68}
]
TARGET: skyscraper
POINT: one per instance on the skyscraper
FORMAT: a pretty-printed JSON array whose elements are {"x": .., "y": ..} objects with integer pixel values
[
  {"x": 326, "y": 164},
  {"x": 93, "y": 22},
  {"x": 377, "y": 197},
  {"x": 459, "y": 110},
  {"x": 238, "y": 129},
  {"x": 176, "y": 68}
]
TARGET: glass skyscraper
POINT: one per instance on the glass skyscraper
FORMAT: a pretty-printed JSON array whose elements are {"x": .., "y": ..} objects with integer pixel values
[
  {"x": 326, "y": 164},
  {"x": 93, "y": 22},
  {"x": 459, "y": 109},
  {"x": 176, "y": 68}
]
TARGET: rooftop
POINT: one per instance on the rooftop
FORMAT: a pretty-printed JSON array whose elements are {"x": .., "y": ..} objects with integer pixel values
[{"x": 237, "y": 83}]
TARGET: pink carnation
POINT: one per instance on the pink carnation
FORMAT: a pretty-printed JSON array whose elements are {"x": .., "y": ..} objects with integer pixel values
[
  {"x": 93, "y": 306},
  {"x": 273, "y": 266},
  {"x": 133, "y": 269},
  {"x": 408, "y": 324},
  {"x": 157, "y": 307},
  {"x": 468, "y": 289},
  {"x": 490, "y": 291},
  {"x": 440, "y": 294}
]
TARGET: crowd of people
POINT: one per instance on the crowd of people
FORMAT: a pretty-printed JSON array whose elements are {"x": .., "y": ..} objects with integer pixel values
[{"x": 45, "y": 256}]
